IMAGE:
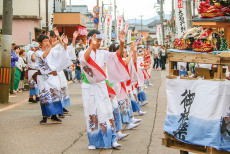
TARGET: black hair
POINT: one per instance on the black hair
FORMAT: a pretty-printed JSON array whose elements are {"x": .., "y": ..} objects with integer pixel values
[
  {"x": 163, "y": 45},
  {"x": 81, "y": 39},
  {"x": 92, "y": 32},
  {"x": 156, "y": 43},
  {"x": 16, "y": 47},
  {"x": 52, "y": 33},
  {"x": 42, "y": 37},
  {"x": 113, "y": 47}
]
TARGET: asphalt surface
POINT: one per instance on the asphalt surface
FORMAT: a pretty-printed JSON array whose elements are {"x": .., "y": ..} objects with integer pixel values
[{"x": 21, "y": 133}]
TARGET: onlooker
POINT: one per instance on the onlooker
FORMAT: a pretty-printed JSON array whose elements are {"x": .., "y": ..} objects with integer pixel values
[
  {"x": 155, "y": 52},
  {"x": 68, "y": 73},
  {"x": 23, "y": 63},
  {"x": 159, "y": 58},
  {"x": 14, "y": 59},
  {"x": 18, "y": 69},
  {"x": 80, "y": 46},
  {"x": 163, "y": 54},
  {"x": 77, "y": 70}
]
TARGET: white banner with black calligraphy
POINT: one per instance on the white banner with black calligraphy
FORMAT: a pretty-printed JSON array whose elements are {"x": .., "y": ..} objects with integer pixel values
[
  {"x": 198, "y": 112},
  {"x": 181, "y": 18},
  {"x": 119, "y": 25},
  {"x": 129, "y": 36},
  {"x": 108, "y": 29},
  {"x": 159, "y": 35}
]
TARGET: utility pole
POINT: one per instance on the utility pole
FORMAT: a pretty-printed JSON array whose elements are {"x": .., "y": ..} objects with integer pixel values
[
  {"x": 5, "y": 60},
  {"x": 189, "y": 14},
  {"x": 70, "y": 6},
  {"x": 194, "y": 7},
  {"x": 141, "y": 27},
  {"x": 99, "y": 16},
  {"x": 115, "y": 16},
  {"x": 162, "y": 21},
  {"x": 47, "y": 21},
  {"x": 172, "y": 21}
]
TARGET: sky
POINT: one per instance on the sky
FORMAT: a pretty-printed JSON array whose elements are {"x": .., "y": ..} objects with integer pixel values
[{"x": 131, "y": 8}]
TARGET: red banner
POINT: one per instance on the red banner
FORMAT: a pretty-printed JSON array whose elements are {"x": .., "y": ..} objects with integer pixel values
[
  {"x": 180, "y": 6},
  {"x": 82, "y": 30},
  {"x": 126, "y": 26}
]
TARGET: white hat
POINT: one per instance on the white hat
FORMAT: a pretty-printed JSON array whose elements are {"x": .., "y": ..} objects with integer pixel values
[{"x": 34, "y": 45}]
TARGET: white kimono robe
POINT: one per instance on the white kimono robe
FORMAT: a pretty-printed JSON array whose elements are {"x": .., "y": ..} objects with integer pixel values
[
  {"x": 30, "y": 64},
  {"x": 65, "y": 99},
  {"x": 97, "y": 105},
  {"x": 48, "y": 85}
]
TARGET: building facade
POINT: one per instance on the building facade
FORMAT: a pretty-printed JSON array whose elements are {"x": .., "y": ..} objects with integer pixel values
[{"x": 26, "y": 19}]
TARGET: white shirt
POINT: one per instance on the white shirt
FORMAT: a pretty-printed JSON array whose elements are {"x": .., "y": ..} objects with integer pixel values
[{"x": 30, "y": 63}]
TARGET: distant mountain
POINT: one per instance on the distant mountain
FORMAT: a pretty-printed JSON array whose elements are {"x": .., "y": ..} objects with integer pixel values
[{"x": 147, "y": 21}]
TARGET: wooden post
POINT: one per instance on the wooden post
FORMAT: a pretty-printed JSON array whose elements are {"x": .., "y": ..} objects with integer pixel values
[
  {"x": 227, "y": 35},
  {"x": 219, "y": 71},
  {"x": 5, "y": 54},
  {"x": 171, "y": 63}
]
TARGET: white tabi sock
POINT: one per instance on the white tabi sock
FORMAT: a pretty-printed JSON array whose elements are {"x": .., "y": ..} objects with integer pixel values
[
  {"x": 133, "y": 120},
  {"x": 131, "y": 126},
  {"x": 141, "y": 113},
  {"x": 91, "y": 147},
  {"x": 146, "y": 86},
  {"x": 120, "y": 136},
  {"x": 115, "y": 145},
  {"x": 144, "y": 103}
]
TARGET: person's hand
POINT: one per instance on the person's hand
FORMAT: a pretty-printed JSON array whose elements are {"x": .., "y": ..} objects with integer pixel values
[
  {"x": 56, "y": 32},
  {"x": 65, "y": 40},
  {"x": 94, "y": 40},
  {"x": 21, "y": 69},
  {"x": 132, "y": 45},
  {"x": 122, "y": 36},
  {"x": 62, "y": 36},
  {"x": 48, "y": 34},
  {"x": 75, "y": 34}
]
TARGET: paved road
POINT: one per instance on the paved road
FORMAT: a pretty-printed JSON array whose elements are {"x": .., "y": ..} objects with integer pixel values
[{"x": 21, "y": 133}]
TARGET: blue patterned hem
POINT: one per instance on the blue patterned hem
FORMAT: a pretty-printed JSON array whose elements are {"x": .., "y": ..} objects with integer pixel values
[
  {"x": 136, "y": 106},
  {"x": 34, "y": 91},
  {"x": 51, "y": 108},
  {"x": 100, "y": 140},
  {"x": 65, "y": 102},
  {"x": 117, "y": 118},
  {"x": 142, "y": 96}
]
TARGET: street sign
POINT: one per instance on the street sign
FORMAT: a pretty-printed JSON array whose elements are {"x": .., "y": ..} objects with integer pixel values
[
  {"x": 96, "y": 20},
  {"x": 96, "y": 9}
]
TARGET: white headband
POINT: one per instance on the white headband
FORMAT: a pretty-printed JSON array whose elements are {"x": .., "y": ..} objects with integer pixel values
[
  {"x": 99, "y": 36},
  {"x": 34, "y": 45}
]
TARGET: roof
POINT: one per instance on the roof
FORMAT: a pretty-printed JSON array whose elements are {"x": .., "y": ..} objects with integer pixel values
[
  {"x": 154, "y": 23},
  {"x": 83, "y": 9},
  {"x": 153, "y": 36},
  {"x": 142, "y": 28},
  {"x": 152, "y": 30}
]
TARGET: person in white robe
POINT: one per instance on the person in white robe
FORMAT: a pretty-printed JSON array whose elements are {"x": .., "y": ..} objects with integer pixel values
[
  {"x": 61, "y": 76},
  {"x": 49, "y": 62},
  {"x": 141, "y": 79},
  {"x": 96, "y": 102},
  {"x": 32, "y": 68}
]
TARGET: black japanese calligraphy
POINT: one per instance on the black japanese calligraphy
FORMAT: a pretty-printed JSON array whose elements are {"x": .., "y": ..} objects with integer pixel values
[{"x": 187, "y": 102}]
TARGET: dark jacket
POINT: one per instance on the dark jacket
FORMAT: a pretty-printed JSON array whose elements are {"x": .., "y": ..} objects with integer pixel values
[{"x": 14, "y": 58}]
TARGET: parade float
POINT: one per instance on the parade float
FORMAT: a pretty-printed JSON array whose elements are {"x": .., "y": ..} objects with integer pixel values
[{"x": 198, "y": 108}]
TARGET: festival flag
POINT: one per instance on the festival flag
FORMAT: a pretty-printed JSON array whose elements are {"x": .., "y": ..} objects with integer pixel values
[
  {"x": 108, "y": 29},
  {"x": 119, "y": 25}
]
